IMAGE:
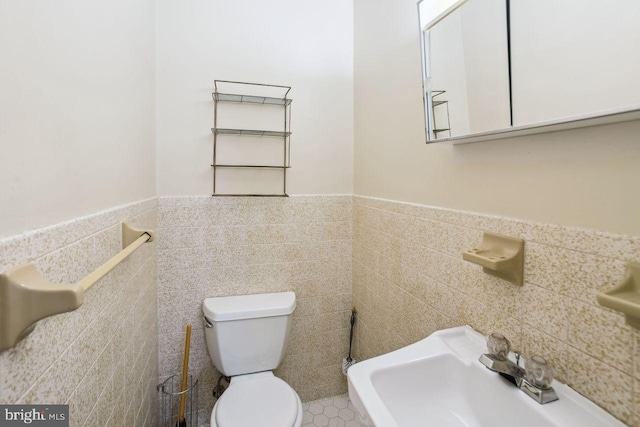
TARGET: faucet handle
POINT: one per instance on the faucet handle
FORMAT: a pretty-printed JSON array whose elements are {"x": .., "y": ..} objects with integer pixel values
[
  {"x": 539, "y": 371},
  {"x": 498, "y": 345}
]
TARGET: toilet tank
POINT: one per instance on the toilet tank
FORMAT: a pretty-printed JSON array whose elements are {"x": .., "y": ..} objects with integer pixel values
[{"x": 248, "y": 333}]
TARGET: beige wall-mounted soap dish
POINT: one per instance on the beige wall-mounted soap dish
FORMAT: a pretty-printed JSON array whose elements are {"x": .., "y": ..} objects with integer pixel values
[
  {"x": 500, "y": 256},
  {"x": 625, "y": 297}
]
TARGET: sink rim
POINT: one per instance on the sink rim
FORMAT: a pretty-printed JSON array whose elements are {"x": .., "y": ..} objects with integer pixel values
[
  {"x": 466, "y": 344},
  {"x": 359, "y": 376}
]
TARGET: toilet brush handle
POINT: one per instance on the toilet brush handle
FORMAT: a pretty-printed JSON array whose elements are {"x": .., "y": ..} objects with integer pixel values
[
  {"x": 353, "y": 321},
  {"x": 185, "y": 374}
]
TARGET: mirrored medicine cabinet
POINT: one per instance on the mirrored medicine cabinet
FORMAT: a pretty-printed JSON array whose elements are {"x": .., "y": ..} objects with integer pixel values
[{"x": 500, "y": 68}]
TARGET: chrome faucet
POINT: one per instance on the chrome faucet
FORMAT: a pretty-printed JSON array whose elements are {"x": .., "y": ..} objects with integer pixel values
[{"x": 531, "y": 381}]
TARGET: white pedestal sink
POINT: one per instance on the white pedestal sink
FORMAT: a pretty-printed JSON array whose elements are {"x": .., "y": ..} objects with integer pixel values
[{"x": 439, "y": 382}]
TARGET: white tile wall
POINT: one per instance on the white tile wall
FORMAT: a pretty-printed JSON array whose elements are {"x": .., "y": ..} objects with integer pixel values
[
  {"x": 232, "y": 246},
  {"x": 409, "y": 280},
  {"x": 102, "y": 358}
]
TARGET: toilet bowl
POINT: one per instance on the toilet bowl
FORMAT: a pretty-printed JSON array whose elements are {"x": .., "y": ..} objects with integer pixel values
[
  {"x": 246, "y": 337},
  {"x": 260, "y": 399}
]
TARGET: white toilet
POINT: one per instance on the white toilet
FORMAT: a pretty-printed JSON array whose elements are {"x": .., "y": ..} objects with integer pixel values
[{"x": 246, "y": 338}]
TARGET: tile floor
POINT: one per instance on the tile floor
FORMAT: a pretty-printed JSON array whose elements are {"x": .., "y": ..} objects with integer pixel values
[{"x": 332, "y": 412}]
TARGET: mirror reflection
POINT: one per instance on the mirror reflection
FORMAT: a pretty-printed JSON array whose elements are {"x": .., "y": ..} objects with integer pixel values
[
  {"x": 491, "y": 66},
  {"x": 467, "y": 72}
]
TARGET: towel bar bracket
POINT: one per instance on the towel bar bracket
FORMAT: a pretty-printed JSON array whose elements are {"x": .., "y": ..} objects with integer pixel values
[{"x": 130, "y": 234}]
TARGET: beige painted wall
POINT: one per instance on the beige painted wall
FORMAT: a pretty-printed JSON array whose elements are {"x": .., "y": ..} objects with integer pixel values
[
  {"x": 580, "y": 177},
  {"x": 77, "y": 109},
  {"x": 305, "y": 45}
]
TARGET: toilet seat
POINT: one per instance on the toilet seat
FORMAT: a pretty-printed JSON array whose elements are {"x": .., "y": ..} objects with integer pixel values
[{"x": 265, "y": 401}]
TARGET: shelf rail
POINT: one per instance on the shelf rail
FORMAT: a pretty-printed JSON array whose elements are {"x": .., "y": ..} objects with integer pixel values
[{"x": 26, "y": 297}]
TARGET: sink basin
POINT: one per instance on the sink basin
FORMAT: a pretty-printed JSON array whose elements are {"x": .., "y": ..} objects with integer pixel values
[{"x": 439, "y": 381}]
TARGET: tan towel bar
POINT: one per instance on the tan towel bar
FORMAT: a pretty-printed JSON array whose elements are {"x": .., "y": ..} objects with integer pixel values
[{"x": 26, "y": 297}]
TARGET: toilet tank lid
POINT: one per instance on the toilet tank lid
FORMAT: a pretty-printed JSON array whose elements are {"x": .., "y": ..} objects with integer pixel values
[{"x": 223, "y": 309}]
